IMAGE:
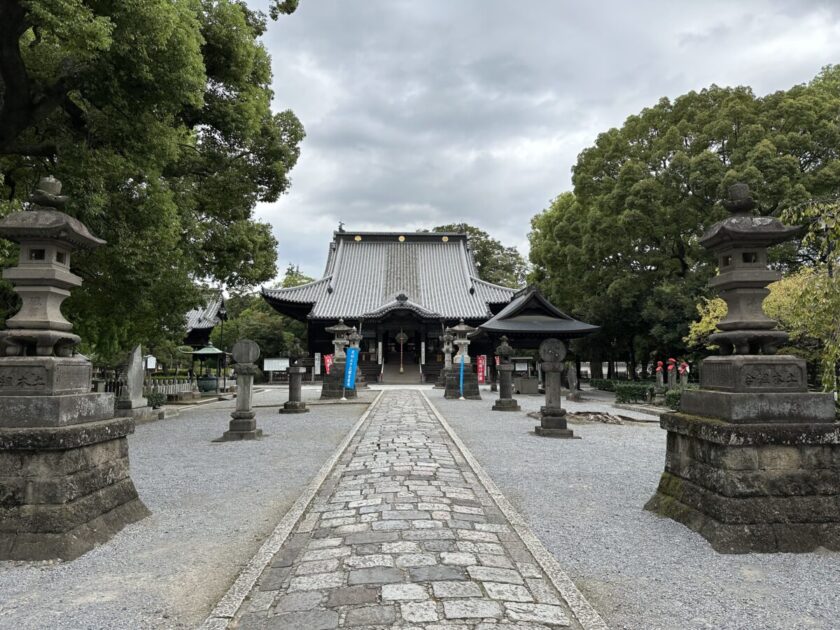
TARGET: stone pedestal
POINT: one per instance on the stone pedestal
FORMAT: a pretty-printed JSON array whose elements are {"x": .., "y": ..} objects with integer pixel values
[
  {"x": 243, "y": 424},
  {"x": 332, "y": 387},
  {"x": 64, "y": 477},
  {"x": 752, "y": 487},
  {"x": 441, "y": 379},
  {"x": 295, "y": 403},
  {"x": 453, "y": 383},
  {"x": 506, "y": 401}
]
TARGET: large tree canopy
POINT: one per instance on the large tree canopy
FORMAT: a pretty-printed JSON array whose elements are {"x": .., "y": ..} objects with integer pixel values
[
  {"x": 623, "y": 251},
  {"x": 496, "y": 263},
  {"x": 156, "y": 116}
]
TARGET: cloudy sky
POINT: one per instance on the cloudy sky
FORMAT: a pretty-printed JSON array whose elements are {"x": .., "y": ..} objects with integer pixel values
[{"x": 423, "y": 112}]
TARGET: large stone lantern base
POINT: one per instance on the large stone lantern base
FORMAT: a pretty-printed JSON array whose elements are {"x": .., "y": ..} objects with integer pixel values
[
  {"x": 453, "y": 383},
  {"x": 332, "y": 387},
  {"x": 752, "y": 487},
  {"x": 65, "y": 489}
]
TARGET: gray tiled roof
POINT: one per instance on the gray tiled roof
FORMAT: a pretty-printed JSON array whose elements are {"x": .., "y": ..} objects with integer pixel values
[
  {"x": 206, "y": 316},
  {"x": 364, "y": 279},
  {"x": 530, "y": 313}
]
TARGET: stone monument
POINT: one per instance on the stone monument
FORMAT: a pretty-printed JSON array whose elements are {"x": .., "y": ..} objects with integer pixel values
[
  {"x": 64, "y": 469},
  {"x": 295, "y": 404},
  {"x": 505, "y": 402},
  {"x": 333, "y": 383},
  {"x": 453, "y": 377},
  {"x": 752, "y": 456},
  {"x": 552, "y": 415},
  {"x": 447, "y": 338},
  {"x": 243, "y": 424},
  {"x": 660, "y": 378},
  {"x": 131, "y": 401}
]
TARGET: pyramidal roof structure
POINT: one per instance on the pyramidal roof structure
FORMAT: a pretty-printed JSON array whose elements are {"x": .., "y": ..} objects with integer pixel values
[{"x": 368, "y": 275}]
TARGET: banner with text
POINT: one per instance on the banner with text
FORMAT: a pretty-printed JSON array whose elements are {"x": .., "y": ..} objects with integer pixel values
[
  {"x": 481, "y": 361},
  {"x": 328, "y": 361},
  {"x": 350, "y": 368}
]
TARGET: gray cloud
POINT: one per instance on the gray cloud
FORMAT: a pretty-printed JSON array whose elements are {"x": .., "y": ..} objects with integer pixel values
[{"x": 422, "y": 113}]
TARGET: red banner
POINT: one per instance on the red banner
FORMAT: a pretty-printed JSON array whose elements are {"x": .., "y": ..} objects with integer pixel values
[
  {"x": 482, "y": 367},
  {"x": 328, "y": 361}
]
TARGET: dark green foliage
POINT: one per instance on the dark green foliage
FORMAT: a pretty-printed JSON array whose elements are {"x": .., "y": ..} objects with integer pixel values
[
  {"x": 673, "y": 396},
  {"x": 606, "y": 385},
  {"x": 156, "y": 116},
  {"x": 156, "y": 399},
  {"x": 633, "y": 392},
  {"x": 622, "y": 251},
  {"x": 496, "y": 263}
]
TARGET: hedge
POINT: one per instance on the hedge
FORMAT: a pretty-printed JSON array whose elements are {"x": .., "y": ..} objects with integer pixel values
[{"x": 633, "y": 392}]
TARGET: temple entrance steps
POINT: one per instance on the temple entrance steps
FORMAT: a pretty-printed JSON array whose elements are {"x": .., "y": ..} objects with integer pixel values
[
  {"x": 411, "y": 369},
  {"x": 370, "y": 369}
]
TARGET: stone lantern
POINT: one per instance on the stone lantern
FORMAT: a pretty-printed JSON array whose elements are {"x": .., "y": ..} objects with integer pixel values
[
  {"x": 340, "y": 332},
  {"x": 461, "y": 333},
  {"x": 333, "y": 386},
  {"x": 752, "y": 456},
  {"x": 506, "y": 402},
  {"x": 67, "y": 487},
  {"x": 552, "y": 415},
  {"x": 447, "y": 338},
  {"x": 243, "y": 423}
]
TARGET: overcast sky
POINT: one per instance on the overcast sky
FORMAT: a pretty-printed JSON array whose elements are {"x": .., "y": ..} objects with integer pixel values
[{"x": 424, "y": 112}]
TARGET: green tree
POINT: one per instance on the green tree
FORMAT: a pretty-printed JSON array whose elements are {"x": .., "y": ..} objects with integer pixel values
[
  {"x": 251, "y": 317},
  {"x": 496, "y": 263},
  {"x": 623, "y": 249},
  {"x": 156, "y": 116}
]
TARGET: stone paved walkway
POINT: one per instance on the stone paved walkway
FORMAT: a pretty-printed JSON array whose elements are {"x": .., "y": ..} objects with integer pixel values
[{"x": 404, "y": 535}]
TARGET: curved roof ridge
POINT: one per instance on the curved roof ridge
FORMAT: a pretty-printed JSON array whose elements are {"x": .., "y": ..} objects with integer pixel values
[{"x": 301, "y": 293}]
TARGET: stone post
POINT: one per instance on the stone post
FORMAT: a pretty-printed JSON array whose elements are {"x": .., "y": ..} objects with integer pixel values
[
  {"x": 660, "y": 377},
  {"x": 552, "y": 415},
  {"x": 751, "y": 457},
  {"x": 63, "y": 455},
  {"x": 243, "y": 424},
  {"x": 505, "y": 401},
  {"x": 672, "y": 373},
  {"x": 295, "y": 403}
]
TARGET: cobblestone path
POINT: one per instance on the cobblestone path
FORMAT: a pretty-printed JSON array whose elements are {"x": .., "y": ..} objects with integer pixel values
[{"x": 404, "y": 535}]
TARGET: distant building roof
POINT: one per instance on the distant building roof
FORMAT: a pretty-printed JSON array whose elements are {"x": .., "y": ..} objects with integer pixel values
[
  {"x": 370, "y": 274},
  {"x": 207, "y": 316},
  {"x": 531, "y": 314}
]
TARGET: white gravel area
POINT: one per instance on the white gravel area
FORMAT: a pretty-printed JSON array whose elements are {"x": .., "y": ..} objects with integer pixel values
[
  {"x": 583, "y": 498},
  {"x": 212, "y": 506}
]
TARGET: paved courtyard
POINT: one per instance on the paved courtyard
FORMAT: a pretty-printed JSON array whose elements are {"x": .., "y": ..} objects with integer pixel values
[{"x": 405, "y": 534}]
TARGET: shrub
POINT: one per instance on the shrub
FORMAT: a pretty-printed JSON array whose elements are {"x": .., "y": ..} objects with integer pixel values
[
  {"x": 156, "y": 399},
  {"x": 632, "y": 392},
  {"x": 603, "y": 384}
]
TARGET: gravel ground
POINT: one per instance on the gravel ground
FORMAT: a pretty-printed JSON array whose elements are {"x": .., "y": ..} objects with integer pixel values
[
  {"x": 584, "y": 498},
  {"x": 212, "y": 506}
]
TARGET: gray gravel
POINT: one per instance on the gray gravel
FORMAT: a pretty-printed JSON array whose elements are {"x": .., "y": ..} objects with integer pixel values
[
  {"x": 212, "y": 506},
  {"x": 583, "y": 499}
]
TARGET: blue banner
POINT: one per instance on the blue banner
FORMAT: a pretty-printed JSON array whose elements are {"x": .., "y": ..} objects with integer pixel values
[
  {"x": 350, "y": 368},
  {"x": 462, "y": 377}
]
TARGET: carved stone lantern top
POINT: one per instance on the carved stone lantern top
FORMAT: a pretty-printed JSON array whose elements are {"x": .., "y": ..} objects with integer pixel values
[
  {"x": 504, "y": 350},
  {"x": 47, "y": 236},
  {"x": 354, "y": 338},
  {"x": 740, "y": 242},
  {"x": 340, "y": 331}
]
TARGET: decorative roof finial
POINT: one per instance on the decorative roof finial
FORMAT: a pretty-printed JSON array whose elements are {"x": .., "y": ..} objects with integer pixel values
[
  {"x": 47, "y": 195},
  {"x": 740, "y": 200}
]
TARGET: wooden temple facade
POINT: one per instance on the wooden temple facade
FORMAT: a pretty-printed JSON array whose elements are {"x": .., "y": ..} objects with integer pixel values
[{"x": 402, "y": 290}]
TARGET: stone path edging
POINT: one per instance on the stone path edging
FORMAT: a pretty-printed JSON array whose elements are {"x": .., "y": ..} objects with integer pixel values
[
  {"x": 226, "y": 608},
  {"x": 582, "y": 609}
]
